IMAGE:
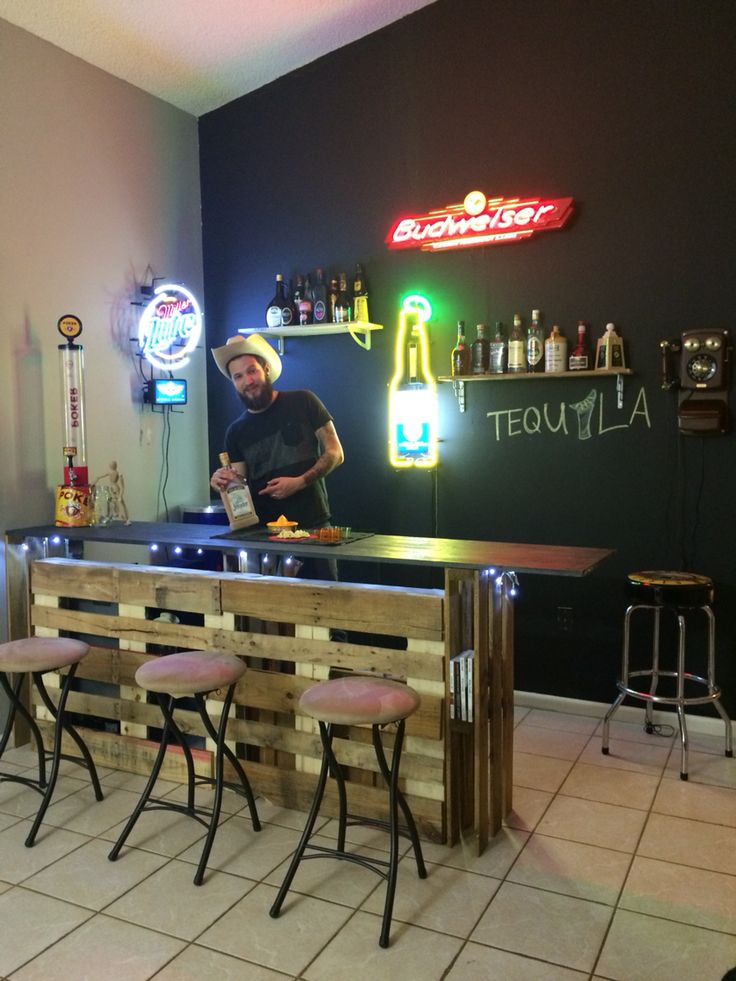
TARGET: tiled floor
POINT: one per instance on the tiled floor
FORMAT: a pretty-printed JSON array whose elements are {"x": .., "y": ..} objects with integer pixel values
[{"x": 609, "y": 867}]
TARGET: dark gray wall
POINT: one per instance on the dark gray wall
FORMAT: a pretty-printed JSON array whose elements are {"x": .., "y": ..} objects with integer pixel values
[{"x": 626, "y": 105}]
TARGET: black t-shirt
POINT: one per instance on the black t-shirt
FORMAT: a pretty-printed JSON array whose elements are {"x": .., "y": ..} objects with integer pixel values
[{"x": 281, "y": 442}]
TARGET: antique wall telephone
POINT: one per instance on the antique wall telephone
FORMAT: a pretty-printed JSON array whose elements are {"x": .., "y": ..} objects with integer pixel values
[{"x": 697, "y": 365}]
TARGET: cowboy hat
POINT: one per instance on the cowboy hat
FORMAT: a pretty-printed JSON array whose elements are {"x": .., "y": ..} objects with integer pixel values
[{"x": 253, "y": 344}]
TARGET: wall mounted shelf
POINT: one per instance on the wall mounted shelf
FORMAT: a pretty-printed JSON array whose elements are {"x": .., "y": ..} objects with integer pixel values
[
  {"x": 358, "y": 330},
  {"x": 458, "y": 381}
]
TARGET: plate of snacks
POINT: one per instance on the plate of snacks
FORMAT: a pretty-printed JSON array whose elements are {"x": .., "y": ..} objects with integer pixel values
[{"x": 282, "y": 528}]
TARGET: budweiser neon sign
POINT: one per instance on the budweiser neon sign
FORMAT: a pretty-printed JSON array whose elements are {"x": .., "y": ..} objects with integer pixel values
[
  {"x": 479, "y": 221},
  {"x": 170, "y": 327}
]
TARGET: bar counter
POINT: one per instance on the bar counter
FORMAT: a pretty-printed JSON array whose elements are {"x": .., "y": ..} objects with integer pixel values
[{"x": 457, "y": 774}]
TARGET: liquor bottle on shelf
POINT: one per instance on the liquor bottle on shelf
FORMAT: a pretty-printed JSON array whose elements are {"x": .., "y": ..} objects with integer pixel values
[
  {"x": 332, "y": 294},
  {"x": 517, "y": 347},
  {"x": 278, "y": 311},
  {"x": 360, "y": 295},
  {"x": 610, "y": 350},
  {"x": 460, "y": 357},
  {"x": 343, "y": 303},
  {"x": 237, "y": 500},
  {"x": 535, "y": 344},
  {"x": 306, "y": 303},
  {"x": 555, "y": 351},
  {"x": 297, "y": 294},
  {"x": 579, "y": 358},
  {"x": 319, "y": 299},
  {"x": 480, "y": 352},
  {"x": 498, "y": 350}
]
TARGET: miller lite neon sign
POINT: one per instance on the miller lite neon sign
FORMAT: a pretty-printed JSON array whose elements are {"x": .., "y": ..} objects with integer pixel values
[
  {"x": 170, "y": 327},
  {"x": 479, "y": 221}
]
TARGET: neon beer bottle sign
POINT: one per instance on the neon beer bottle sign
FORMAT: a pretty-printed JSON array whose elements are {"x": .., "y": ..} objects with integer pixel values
[
  {"x": 170, "y": 327},
  {"x": 412, "y": 391},
  {"x": 479, "y": 221}
]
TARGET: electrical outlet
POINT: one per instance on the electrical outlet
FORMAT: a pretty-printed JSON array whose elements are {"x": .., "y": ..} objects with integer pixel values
[{"x": 565, "y": 618}]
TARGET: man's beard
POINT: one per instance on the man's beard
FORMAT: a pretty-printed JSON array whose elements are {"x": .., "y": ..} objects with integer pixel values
[{"x": 258, "y": 401}]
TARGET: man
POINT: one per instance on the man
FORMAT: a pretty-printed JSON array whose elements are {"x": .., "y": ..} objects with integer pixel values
[{"x": 285, "y": 443}]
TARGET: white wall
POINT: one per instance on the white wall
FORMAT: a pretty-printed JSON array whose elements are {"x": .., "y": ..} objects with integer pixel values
[{"x": 99, "y": 185}]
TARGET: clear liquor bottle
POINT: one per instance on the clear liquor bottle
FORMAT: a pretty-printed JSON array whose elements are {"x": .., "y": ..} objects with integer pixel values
[
  {"x": 517, "y": 347},
  {"x": 237, "y": 500},
  {"x": 535, "y": 344}
]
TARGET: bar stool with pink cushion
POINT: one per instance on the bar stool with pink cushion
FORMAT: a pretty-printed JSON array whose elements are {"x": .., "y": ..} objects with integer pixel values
[
  {"x": 192, "y": 674},
  {"x": 32, "y": 657},
  {"x": 356, "y": 701}
]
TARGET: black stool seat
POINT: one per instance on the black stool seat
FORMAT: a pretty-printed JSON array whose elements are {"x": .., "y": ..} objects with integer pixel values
[
  {"x": 679, "y": 589},
  {"x": 32, "y": 657},
  {"x": 192, "y": 674},
  {"x": 680, "y": 595},
  {"x": 359, "y": 701}
]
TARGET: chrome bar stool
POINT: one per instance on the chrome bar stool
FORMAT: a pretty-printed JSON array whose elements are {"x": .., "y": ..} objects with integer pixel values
[
  {"x": 192, "y": 674},
  {"x": 32, "y": 657},
  {"x": 680, "y": 594},
  {"x": 359, "y": 701}
]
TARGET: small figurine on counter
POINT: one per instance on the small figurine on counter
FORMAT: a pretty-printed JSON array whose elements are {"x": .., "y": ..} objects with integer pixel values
[{"x": 112, "y": 506}]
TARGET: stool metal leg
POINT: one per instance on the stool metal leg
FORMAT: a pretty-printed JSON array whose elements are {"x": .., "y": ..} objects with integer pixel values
[
  {"x": 224, "y": 750},
  {"x": 681, "y": 676},
  {"x": 408, "y": 816},
  {"x": 219, "y": 737},
  {"x": 326, "y": 736},
  {"x": 16, "y": 705},
  {"x": 60, "y": 727},
  {"x": 680, "y": 704},
  {"x": 387, "y": 870},
  {"x": 712, "y": 687},
  {"x": 624, "y": 678},
  {"x": 143, "y": 800},
  {"x": 86, "y": 757},
  {"x": 649, "y": 704},
  {"x": 209, "y": 818}
]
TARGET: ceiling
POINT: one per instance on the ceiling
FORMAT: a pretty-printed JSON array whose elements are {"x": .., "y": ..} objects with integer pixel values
[{"x": 200, "y": 54}]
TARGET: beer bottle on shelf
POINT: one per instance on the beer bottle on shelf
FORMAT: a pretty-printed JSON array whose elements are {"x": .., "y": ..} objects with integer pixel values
[
  {"x": 579, "y": 358},
  {"x": 319, "y": 299},
  {"x": 360, "y": 296},
  {"x": 460, "y": 357},
  {"x": 332, "y": 294},
  {"x": 498, "y": 350},
  {"x": 237, "y": 500},
  {"x": 278, "y": 311},
  {"x": 306, "y": 303},
  {"x": 480, "y": 353},
  {"x": 517, "y": 347},
  {"x": 555, "y": 351},
  {"x": 535, "y": 344},
  {"x": 343, "y": 303},
  {"x": 298, "y": 292}
]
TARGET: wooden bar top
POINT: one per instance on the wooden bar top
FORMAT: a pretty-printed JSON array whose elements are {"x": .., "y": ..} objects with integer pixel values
[{"x": 559, "y": 560}]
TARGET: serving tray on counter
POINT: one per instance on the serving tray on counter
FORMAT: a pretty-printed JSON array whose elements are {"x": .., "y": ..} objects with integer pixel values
[{"x": 263, "y": 535}]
